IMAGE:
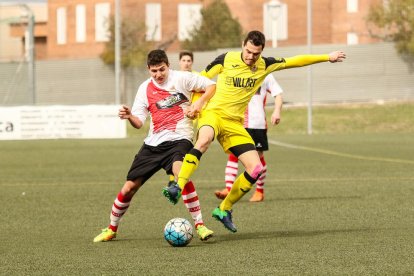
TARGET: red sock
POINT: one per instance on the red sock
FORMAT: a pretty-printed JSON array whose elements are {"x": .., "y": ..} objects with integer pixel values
[
  {"x": 119, "y": 208},
  {"x": 231, "y": 171},
  {"x": 260, "y": 182},
  {"x": 192, "y": 203}
]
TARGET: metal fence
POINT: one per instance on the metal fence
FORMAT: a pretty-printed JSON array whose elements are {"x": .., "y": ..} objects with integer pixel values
[{"x": 371, "y": 73}]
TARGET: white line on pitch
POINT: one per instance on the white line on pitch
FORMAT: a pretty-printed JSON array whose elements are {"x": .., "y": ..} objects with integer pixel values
[{"x": 347, "y": 155}]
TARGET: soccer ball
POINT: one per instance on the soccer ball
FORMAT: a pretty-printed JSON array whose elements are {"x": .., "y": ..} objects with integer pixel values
[{"x": 178, "y": 232}]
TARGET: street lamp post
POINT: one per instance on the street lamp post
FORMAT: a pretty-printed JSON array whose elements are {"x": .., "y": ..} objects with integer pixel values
[
  {"x": 274, "y": 8},
  {"x": 309, "y": 75},
  {"x": 117, "y": 52},
  {"x": 30, "y": 51}
]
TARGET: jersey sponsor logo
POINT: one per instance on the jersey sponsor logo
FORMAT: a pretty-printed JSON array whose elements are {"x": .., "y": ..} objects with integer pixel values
[
  {"x": 235, "y": 65},
  {"x": 172, "y": 100},
  {"x": 244, "y": 82}
]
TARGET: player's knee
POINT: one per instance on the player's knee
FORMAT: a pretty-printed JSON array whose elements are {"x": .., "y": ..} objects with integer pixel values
[
  {"x": 130, "y": 188},
  {"x": 203, "y": 144},
  {"x": 257, "y": 171},
  {"x": 204, "y": 138}
]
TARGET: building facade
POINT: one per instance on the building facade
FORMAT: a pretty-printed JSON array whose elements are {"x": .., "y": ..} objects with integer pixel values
[{"x": 79, "y": 28}]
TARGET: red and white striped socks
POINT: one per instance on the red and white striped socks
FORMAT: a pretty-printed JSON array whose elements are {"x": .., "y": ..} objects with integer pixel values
[
  {"x": 260, "y": 182},
  {"x": 192, "y": 203},
  {"x": 231, "y": 171},
  {"x": 119, "y": 208},
  {"x": 190, "y": 198}
]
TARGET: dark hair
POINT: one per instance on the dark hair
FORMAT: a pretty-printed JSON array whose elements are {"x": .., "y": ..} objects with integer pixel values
[
  {"x": 156, "y": 57},
  {"x": 256, "y": 38},
  {"x": 186, "y": 53}
]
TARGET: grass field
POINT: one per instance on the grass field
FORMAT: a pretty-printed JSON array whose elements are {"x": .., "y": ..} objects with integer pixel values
[{"x": 340, "y": 202}]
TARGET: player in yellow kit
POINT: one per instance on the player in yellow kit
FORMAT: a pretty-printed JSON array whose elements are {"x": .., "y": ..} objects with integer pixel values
[{"x": 239, "y": 75}]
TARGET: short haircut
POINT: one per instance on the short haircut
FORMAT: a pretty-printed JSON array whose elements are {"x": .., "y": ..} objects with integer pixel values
[
  {"x": 256, "y": 38},
  {"x": 186, "y": 53},
  {"x": 156, "y": 57}
]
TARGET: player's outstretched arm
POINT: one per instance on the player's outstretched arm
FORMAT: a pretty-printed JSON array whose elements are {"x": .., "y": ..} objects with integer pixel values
[
  {"x": 303, "y": 60},
  {"x": 337, "y": 56},
  {"x": 124, "y": 113}
]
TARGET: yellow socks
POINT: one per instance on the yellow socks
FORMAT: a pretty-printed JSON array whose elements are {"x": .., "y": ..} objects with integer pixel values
[
  {"x": 190, "y": 164},
  {"x": 240, "y": 187}
]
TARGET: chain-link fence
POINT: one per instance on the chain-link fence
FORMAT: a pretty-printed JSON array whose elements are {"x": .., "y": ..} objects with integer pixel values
[{"x": 371, "y": 73}]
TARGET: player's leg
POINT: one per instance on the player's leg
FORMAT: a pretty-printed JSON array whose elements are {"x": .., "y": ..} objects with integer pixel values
[
  {"x": 190, "y": 197},
  {"x": 259, "y": 193},
  {"x": 192, "y": 203},
  {"x": 190, "y": 163},
  {"x": 230, "y": 175},
  {"x": 145, "y": 164},
  {"x": 259, "y": 137},
  {"x": 171, "y": 180},
  {"x": 192, "y": 159},
  {"x": 189, "y": 193},
  {"x": 240, "y": 187},
  {"x": 119, "y": 207},
  {"x": 251, "y": 161},
  {"x": 235, "y": 139}
]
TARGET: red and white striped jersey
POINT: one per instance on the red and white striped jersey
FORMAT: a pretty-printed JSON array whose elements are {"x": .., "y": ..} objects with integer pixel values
[
  {"x": 255, "y": 115},
  {"x": 165, "y": 105}
]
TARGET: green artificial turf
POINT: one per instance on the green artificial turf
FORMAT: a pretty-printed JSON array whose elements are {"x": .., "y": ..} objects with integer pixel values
[{"x": 335, "y": 204}]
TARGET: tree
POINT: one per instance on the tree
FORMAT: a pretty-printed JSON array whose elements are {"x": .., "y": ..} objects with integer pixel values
[
  {"x": 396, "y": 22},
  {"x": 134, "y": 47},
  {"x": 218, "y": 29}
]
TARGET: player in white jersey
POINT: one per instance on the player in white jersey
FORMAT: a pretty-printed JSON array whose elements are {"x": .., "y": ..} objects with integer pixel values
[
  {"x": 165, "y": 97},
  {"x": 256, "y": 125}
]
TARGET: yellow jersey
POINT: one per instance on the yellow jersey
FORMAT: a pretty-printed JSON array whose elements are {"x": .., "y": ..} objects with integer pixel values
[{"x": 237, "y": 82}]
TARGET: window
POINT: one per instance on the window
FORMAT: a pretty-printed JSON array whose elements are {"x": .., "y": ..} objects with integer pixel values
[
  {"x": 102, "y": 11},
  {"x": 275, "y": 19},
  {"x": 153, "y": 21},
  {"x": 352, "y": 6},
  {"x": 352, "y": 38},
  {"x": 61, "y": 25},
  {"x": 80, "y": 23},
  {"x": 189, "y": 18}
]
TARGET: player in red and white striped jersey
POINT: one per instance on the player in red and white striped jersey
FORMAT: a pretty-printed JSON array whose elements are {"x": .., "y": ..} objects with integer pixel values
[
  {"x": 165, "y": 98},
  {"x": 256, "y": 124}
]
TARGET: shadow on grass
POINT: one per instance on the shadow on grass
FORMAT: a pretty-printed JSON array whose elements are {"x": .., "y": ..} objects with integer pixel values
[
  {"x": 314, "y": 198},
  {"x": 287, "y": 234}
]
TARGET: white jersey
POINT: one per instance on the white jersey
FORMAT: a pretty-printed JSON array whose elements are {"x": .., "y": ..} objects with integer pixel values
[
  {"x": 166, "y": 103},
  {"x": 255, "y": 115}
]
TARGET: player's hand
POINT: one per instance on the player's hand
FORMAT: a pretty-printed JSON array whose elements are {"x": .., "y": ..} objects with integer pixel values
[
  {"x": 197, "y": 106},
  {"x": 191, "y": 114},
  {"x": 337, "y": 56},
  {"x": 124, "y": 112},
  {"x": 195, "y": 109},
  {"x": 275, "y": 119}
]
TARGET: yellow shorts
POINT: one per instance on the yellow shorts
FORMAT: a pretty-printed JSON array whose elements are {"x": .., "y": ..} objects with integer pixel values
[{"x": 229, "y": 133}]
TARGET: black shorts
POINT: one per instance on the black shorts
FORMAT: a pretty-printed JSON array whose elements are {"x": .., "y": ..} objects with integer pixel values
[
  {"x": 260, "y": 138},
  {"x": 150, "y": 160}
]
